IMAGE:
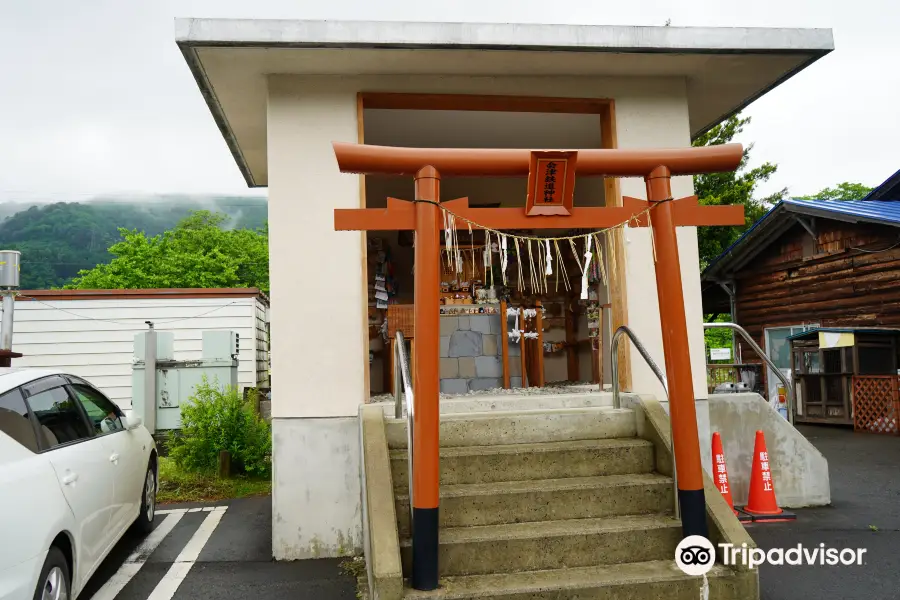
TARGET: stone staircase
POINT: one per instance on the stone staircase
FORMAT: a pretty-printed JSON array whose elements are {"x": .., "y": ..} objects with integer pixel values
[{"x": 551, "y": 504}]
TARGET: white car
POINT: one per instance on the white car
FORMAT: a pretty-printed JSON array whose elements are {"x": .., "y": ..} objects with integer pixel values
[{"x": 74, "y": 476}]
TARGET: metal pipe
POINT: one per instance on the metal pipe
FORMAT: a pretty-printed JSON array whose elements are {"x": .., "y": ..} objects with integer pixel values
[
  {"x": 614, "y": 346},
  {"x": 401, "y": 369},
  {"x": 398, "y": 403},
  {"x": 6, "y": 327},
  {"x": 614, "y": 356},
  {"x": 788, "y": 391},
  {"x": 150, "y": 400}
]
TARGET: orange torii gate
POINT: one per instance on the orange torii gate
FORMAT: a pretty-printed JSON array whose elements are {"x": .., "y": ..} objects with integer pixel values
[{"x": 549, "y": 206}]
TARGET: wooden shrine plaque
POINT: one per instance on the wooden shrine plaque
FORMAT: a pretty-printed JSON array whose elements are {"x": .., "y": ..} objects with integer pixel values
[{"x": 551, "y": 183}]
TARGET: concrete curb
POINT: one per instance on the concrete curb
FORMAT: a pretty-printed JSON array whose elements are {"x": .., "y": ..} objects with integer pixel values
[{"x": 386, "y": 573}]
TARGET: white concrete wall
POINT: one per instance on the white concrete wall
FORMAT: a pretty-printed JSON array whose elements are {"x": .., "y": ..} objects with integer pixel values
[
  {"x": 317, "y": 288},
  {"x": 318, "y": 331},
  {"x": 94, "y": 339},
  {"x": 645, "y": 122}
]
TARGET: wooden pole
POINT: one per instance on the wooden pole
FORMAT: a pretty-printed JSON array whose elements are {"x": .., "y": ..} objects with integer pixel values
[
  {"x": 678, "y": 360},
  {"x": 522, "y": 358},
  {"x": 504, "y": 343},
  {"x": 224, "y": 464},
  {"x": 426, "y": 366},
  {"x": 571, "y": 321},
  {"x": 509, "y": 162},
  {"x": 539, "y": 327}
]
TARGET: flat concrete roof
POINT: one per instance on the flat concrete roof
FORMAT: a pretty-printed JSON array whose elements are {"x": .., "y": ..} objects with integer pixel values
[{"x": 725, "y": 68}]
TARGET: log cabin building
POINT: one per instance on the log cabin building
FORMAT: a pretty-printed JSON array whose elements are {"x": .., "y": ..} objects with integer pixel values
[{"x": 810, "y": 264}]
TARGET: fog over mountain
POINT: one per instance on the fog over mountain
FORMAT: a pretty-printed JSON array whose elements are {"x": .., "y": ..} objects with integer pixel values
[{"x": 58, "y": 239}]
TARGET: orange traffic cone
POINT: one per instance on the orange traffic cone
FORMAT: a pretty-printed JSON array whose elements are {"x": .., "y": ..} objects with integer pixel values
[
  {"x": 761, "y": 504},
  {"x": 720, "y": 475}
]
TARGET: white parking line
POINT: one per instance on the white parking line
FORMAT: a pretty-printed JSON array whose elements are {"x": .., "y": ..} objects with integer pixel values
[
  {"x": 137, "y": 559},
  {"x": 168, "y": 585},
  {"x": 167, "y": 511}
]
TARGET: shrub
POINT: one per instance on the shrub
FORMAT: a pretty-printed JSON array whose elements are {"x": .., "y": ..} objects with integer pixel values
[{"x": 218, "y": 419}]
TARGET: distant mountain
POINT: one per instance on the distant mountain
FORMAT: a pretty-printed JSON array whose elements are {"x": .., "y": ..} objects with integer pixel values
[{"x": 58, "y": 240}]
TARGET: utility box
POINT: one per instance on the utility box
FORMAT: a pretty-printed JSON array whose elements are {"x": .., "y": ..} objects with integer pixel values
[
  {"x": 175, "y": 381},
  {"x": 222, "y": 345},
  {"x": 165, "y": 346}
]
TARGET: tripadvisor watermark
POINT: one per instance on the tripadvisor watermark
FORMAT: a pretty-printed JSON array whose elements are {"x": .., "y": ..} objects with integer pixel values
[{"x": 696, "y": 555}]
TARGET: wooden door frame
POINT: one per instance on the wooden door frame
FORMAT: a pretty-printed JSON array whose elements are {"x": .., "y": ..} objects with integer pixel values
[{"x": 604, "y": 108}]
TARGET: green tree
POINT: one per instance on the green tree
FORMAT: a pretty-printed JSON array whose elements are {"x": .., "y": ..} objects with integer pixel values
[
  {"x": 733, "y": 187},
  {"x": 60, "y": 239},
  {"x": 842, "y": 191},
  {"x": 200, "y": 252}
]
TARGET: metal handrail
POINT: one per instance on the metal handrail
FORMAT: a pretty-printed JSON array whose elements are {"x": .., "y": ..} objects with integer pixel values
[
  {"x": 401, "y": 375},
  {"x": 788, "y": 392},
  {"x": 614, "y": 347},
  {"x": 614, "y": 352}
]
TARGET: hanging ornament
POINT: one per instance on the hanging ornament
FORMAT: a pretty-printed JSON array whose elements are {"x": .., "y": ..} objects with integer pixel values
[
  {"x": 520, "y": 282},
  {"x": 585, "y": 271},
  {"x": 531, "y": 267},
  {"x": 504, "y": 257},
  {"x": 562, "y": 265},
  {"x": 549, "y": 270}
]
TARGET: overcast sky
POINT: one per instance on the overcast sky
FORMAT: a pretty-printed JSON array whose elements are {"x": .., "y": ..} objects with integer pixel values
[{"x": 96, "y": 99}]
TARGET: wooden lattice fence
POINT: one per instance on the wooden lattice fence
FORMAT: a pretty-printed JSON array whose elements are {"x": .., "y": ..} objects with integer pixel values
[{"x": 876, "y": 404}]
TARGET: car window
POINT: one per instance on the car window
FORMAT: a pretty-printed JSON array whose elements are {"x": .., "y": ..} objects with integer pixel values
[
  {"x": 60, "y": 419},
  {"x": 101, "y": 412},
  {"x": 14, "y": 420}
]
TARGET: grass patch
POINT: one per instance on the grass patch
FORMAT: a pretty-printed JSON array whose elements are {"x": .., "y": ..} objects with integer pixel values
[{"x": 177, "y": 485}]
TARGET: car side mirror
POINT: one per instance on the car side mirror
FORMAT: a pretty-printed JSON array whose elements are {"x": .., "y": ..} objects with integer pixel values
[{"x": 132, "y": 422}]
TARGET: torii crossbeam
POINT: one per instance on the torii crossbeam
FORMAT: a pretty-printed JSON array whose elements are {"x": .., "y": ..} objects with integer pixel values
[{"x": 547, "y": 209}]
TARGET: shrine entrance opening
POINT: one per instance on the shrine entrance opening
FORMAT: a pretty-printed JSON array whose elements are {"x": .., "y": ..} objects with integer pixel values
[{"x": 575, "y": 334}]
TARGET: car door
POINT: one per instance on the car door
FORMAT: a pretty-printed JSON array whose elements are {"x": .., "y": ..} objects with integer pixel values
[
  {"x": 82, "y": 466},
  {"x": 123, "y": 447}
]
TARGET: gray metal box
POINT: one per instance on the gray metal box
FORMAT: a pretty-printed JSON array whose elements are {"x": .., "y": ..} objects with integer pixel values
[
  {"x": 220, "y": 345},
  {"x": 9, "y": 268},
  {"x": 165, "y": 345}
]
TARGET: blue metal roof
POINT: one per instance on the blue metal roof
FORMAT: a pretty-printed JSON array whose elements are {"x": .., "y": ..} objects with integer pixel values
[
  {"x": 873, "y": 211},
  {"x": 884, "y": 211}
]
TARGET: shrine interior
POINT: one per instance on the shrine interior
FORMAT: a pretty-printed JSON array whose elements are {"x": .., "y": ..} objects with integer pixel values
[{"x": 575, "y": 334}]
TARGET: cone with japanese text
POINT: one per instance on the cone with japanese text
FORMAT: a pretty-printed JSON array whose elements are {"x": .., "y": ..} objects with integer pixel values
[
  {"x": 762, "y": 504},
  {"x": 720, "y": 476}
]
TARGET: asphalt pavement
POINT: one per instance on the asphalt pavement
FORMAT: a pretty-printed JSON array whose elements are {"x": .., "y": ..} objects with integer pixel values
[
  {"x": 865, "y": 513},
  {"x": 213, "y": 551},
  {"x": 223, "y": 550}
]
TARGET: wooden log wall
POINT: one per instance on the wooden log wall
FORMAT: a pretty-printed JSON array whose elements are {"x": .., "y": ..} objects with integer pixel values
[{"x": 849, "y": 276}]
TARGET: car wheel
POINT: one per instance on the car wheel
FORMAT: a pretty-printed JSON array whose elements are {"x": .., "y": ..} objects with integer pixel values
[
  {"x": 54, "y": 581},
  {"x": 144, "y": 521}
]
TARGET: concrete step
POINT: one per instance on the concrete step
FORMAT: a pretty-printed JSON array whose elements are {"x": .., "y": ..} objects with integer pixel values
[
  {"x": 553, "y": 544},
  {"x": 524, "y": 427},
  {"x": 522, "y": 462},
  {"x": 631, "y": 581},
  {"x": 469, "y": 505},
  {"x": 573, "y": 397}
]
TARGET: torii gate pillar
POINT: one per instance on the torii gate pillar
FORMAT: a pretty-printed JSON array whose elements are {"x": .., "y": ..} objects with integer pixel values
[
  {"x": 426, "y": 434},
  {"x": 673, "y": 323}
]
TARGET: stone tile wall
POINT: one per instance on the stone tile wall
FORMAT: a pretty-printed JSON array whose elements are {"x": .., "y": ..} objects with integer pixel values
[{"x": 470, "y": 354}]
